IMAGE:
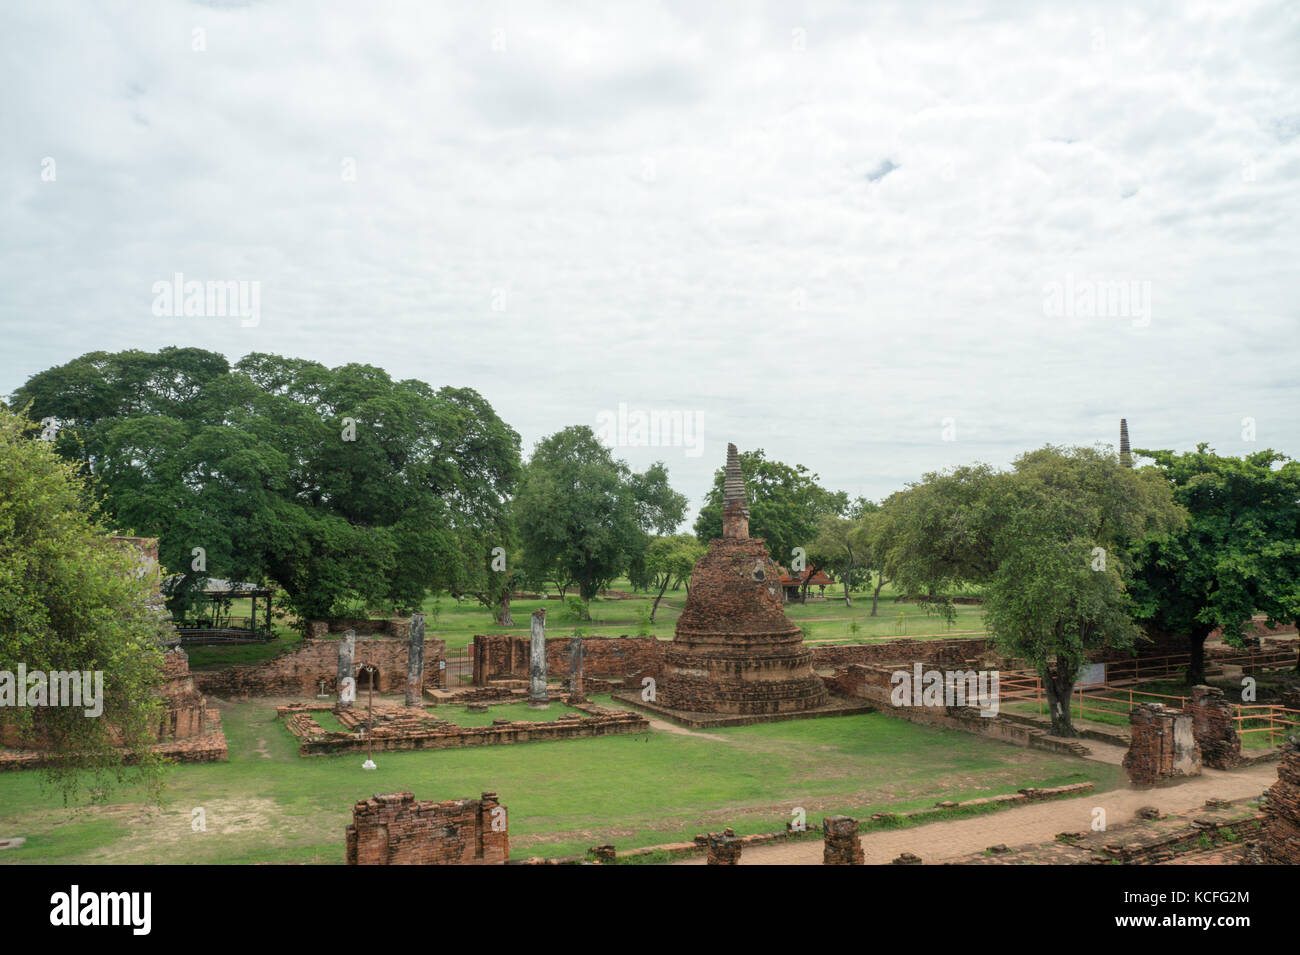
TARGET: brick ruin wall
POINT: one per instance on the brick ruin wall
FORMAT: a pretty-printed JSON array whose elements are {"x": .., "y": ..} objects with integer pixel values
[
  {"x": 505, "y": 656},
  {"x": 301, "y": 669},
  {"x": 724, "y": 848},
  {"x": 188, "y": 729},
  {"x": 399, "y": 627},
  {"x": 1281, "y": 842},
  {"x": 187, "y": 713},
  {"x": 874, "y": 684},
  {"x": 1214, "y": 728},
  {"x": 941, "y": 652},
  {"x": 396, "y": 829},
  {"x": 1162, "y": 745},
  {"x": 841, "y": 844}
]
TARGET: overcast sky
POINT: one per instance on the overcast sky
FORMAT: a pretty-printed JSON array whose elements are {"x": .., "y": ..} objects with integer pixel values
[{"x": 860, "y": 236}]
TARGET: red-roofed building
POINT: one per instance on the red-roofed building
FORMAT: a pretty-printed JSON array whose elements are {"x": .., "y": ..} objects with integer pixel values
[{"x": 792, "y": 584}]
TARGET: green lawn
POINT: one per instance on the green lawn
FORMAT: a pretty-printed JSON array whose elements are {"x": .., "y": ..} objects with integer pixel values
[
  {"x": 505, "y": 711},
  {"x": 457, "y": 622},
  {"x": 268, "y": 804},
  {"x": 829, "y": 619}
]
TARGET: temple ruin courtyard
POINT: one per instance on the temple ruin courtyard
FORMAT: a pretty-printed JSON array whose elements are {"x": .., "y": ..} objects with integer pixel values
[{"x": 269, "y": 804}]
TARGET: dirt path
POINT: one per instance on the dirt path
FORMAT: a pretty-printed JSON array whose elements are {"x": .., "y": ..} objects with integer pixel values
[
  {"x": 1035, "y": 823},
  {"x": 1111, "y": 753},
  {"x": 683, "y": 731}
]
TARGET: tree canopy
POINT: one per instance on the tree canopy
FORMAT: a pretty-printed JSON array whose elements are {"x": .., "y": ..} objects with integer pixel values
[
  {"x": 1047, "y": 540},
  {"x": 786, "y": 504},
  {"x": 583, "y": 515},
  {"x": 344, "y": 487},
  {"x": 71, "y": 599},
  {"x": 1238, "y": 554}
]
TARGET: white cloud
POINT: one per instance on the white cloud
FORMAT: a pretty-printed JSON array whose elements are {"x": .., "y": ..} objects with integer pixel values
[{"x": 677, "y": 207}]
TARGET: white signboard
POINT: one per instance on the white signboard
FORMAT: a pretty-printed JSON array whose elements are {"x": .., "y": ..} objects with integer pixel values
[{"x": 1091, "y": 674}]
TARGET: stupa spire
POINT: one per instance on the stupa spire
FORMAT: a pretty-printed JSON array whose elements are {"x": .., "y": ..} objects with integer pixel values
[
  {"x": 1125, "y": 455},
  {"x": 735, "y": 502}
]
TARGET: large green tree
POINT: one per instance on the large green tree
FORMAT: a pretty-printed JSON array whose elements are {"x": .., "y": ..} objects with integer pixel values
[
  {"x": 347, "y": 489},
  {"x": 669, "y": 558},
  {"x": 1239, "y": 553},
  {"x": 584, "y": 516},
  {"x": 73, "y": 600},
  {"x": 786, "y": 505},
  {"x": 1047, "y": 541}
]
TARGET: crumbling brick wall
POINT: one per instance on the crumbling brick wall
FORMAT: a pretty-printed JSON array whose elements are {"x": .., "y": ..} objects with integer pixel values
[
  {"x": 1214, "y": 728},
  {"x": 1281, "y": 842},
  {"x": 1162, "y": 745},
  {"x": 399, "y": 627},
  {"x": 187, "y": 710},
  {"x": 943, "y": 652},
  {"x": 724, "y": 848},
  {"x": 504, "y": 655},
  {"x": 841, "y": 844},
  {"x": 300, "y": 670},
  {"x": 395, "y": 829}
]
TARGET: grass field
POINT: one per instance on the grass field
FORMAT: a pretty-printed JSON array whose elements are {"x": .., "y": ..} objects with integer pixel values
[
  {"x": 823, "y": 620},
  {"x": 268, "y": 804}
]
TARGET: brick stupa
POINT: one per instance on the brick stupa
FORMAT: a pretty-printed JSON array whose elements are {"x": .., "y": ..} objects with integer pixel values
[{"x": 736, "y": 652}]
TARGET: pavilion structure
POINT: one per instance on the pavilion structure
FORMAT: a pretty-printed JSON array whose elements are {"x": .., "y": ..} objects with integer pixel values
[{"x": 211, "y": 622}]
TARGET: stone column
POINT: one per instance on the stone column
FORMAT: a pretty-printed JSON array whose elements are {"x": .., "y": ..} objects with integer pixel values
[
  {"x": 415, "y": 662},
  {"x": 346, "y": 678},
  {"x": 575, "y": 666},
  {"x": 537, "y": 698}
]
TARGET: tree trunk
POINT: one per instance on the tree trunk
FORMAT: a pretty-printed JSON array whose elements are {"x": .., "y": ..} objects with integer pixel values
[
  {"x": 1058, "y": 689},
  {"x": 1196, "y": 649},
  {"x": 875, "y": 597},
  {"x": 655, "y": 607},
  {"x": 503, "y": 610},
  {"x": 848, "y": 601}
]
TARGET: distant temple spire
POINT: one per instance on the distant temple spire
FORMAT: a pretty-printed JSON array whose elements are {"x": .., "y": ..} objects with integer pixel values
[
  {"x": 735, "y": 502},
  {"x": 1125, "y": 455}
]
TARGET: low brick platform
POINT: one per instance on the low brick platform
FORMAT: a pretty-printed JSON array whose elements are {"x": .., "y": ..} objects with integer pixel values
[
  {"x": 399, "y": 728},
  {"x": 833, "y": 707}
]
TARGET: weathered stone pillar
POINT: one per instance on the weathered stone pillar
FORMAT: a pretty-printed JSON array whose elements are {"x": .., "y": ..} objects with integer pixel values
[
  {"x": 841, "y": 845},
  {"x": 537, "y": 698},
  {"x": 346, "y": 678},
  {"x": 1162, "y": 745},
  {"x": 724, "y": 848},
  {"x": 415, "y": 662},
  {"x": 1214, "y": 728},
  {"x": 575, "y": 666}
]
